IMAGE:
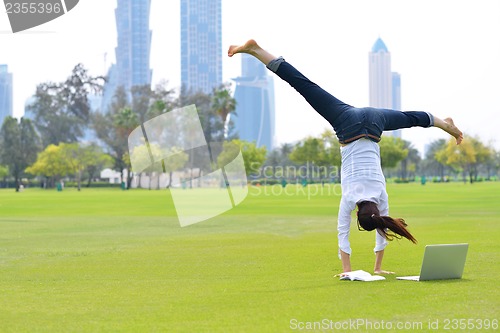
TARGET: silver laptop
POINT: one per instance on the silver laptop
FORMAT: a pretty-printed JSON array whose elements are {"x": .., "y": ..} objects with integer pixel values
[{"x": 441, "y": 261}]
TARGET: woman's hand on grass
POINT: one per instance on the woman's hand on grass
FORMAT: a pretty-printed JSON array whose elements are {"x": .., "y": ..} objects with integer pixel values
[{"x": 381, "y": 271}]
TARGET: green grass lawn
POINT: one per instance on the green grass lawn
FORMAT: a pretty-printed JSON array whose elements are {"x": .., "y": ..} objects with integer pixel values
[{"x": 106, "y": 260}]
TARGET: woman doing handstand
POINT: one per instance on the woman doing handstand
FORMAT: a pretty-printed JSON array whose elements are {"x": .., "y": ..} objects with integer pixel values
[{"x": 358, "y": 131}]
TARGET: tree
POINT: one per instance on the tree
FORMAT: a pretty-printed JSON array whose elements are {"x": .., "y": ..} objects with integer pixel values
[
  {"x": 309, "y": 152},
  {"x": 125, "y": 121},
  {"x": 4, "y": 172},
  {"x": 460, "y": 157},
  {"x": 280, "y": 161},
  {"x": 62, "y": 110},
  {"x": 168, "y": 159},
  {"x": 432, "y": 165},
  {"x": 491, "y": 164},
  {"x": 172, "y": 159},
  {"x": 285, "y": 150},
  {"x": 223, "y": 105},
  {"x": 95, "y": 160},
  {"x": 57, "y": 161},
  {"x": 495, "y": 163},
  {"x": 19, "y": 145},
  {"x": 53, "y": 123},
  {"x": 484, "y": 155},
  {"x": 73, "y": 153},
  {"x": 467, "y": 156},
  {"x": 323, "y": 151},
  {"x": 52, "y": 163},
  {"x": 147, "y": 104},
  {"x": 273, "y": 160},
  {"x": 411, "y": 161},
  {"x": 82, "y": 157},
  {"x": 76, "y": 89},
  {"x": 253, "y": 156},
  {"x": 212, "y": 127},
  {"x": 392, "y": 151},
  {"x": 141, "y": 101},
  {"x": 163, "y": 100},
  {"x": 331, "y": 154},
  {"x": 115, "y": 127},
  {"x": 306, "y": 151}
]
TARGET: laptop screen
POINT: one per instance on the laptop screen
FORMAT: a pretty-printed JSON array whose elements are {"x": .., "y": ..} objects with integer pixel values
[{"x": 443, "y": 261}]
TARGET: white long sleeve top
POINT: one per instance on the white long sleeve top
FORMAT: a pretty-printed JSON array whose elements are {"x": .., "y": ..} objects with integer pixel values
[{"x": 362, "y": 179}]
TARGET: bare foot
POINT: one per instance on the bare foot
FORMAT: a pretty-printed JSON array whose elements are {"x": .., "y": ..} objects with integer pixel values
[
  {"x": 449, "y": 127},
  {"x": 249, "y": 47},
  {"x": 453, "y": 130}
]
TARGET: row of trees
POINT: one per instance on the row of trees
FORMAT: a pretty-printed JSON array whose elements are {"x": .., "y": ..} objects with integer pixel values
[
  {"x": 62, "y": 116},
  {"x": 399, "y": 158},
  {"x": 52, "y": 146}
]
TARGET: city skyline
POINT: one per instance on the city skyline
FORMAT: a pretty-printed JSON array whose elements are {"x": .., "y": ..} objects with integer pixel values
[{"x": 450, "y": 64}]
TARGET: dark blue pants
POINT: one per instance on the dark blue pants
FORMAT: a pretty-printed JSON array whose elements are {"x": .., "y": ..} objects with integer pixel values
[{"x": 350, "y": 123}]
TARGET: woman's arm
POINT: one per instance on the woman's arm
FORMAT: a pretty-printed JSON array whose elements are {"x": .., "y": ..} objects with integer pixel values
[
  {"x": 346, "y": 261},
  {"x": 379, "y": 255},
  {"x": 344, "y": 223}
]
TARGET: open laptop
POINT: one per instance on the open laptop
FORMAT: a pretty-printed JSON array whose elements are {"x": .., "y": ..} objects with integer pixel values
[{"x": 441, "y": 261}]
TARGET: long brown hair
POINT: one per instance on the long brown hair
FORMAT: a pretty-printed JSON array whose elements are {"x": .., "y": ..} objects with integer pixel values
[{"x": 369, "y": 219}]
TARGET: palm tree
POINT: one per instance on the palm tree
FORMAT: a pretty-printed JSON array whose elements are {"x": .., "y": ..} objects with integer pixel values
[
  {"x": 223, "y": 104},
  {"x": 125, "y": 121}
]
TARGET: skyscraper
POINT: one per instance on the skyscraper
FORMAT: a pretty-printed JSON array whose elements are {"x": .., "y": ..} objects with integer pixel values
[
  {"x": 396, "y": 91},
  {"x": 254, "y": 120},
  {"x": 133, "y": 48},
  {"x": 6, "y": 108},
  {"x": 201, "y": 45},
  {"x": 385, "y": 86}
]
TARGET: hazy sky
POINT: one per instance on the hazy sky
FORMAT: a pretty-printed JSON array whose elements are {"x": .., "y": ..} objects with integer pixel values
[{"x": 447, "y": 52}]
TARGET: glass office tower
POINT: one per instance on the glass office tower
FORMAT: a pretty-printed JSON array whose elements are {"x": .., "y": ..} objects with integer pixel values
[
  {"x": 254, "y": 120},
  {"x": 201, "y": 45},
  {"x": 133, "y": 49},
  {"x": 6, "y": 105},
  {"x": 385, "y": 85}
]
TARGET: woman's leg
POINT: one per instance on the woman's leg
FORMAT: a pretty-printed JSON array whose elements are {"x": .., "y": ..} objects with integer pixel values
[
  {"x": 323, "y": 102},
  {"x": 330, "y": 107},
  {"x": 406, "y": 119}
]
